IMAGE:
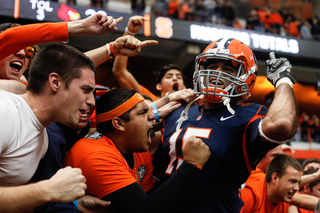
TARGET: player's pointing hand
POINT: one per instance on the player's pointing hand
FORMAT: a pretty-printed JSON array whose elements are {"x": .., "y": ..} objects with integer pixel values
[{"x": 130, "y": 46}]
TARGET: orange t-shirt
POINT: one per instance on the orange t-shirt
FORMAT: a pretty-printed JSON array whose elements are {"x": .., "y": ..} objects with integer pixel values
[
  {"x": 293, "y": 29},
  {"x": 104, "y": 167},
  {"x": 147, "y": 92},
  {"x": 275, "y": 18},
  {"x": 11, "y": 41},
  {"x": 263, "y": 15},
  {"x": 255, "y": 198},
  {"x": 304, "y": 211}
]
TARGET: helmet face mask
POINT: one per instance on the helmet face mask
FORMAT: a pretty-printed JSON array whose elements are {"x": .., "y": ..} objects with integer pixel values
[{"x": 217, "y": 85}]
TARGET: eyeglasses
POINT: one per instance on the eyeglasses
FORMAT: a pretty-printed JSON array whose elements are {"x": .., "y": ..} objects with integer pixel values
[{"x": 30, "y": 51}]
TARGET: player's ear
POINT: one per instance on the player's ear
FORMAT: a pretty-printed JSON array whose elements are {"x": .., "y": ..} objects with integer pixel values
[
  {"x": 274, "y": 178},
  {"x": 54, "y": 81},
  {"x": 118, "y": 123},
  {"x": 159, "y": 86}
]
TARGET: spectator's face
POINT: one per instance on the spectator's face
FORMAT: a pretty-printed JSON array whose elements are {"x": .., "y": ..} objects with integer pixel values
[
  {"x": 316, "y": 190},
  {"x": 13, "y": 66},
  {"x": 77, "y": 101},
  {"x": 138, "y": 128},
  {"x": 287, "y": 185},
  {"x": 312, "y": 165},
  {"x": 172, "y": 81}
]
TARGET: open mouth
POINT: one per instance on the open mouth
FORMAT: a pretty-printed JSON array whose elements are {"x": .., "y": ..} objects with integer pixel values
[
  {"x": 84, "y": 114},
  {"x": 16, "y": 66},
  {"x": 151, "y": 134},
  {"x": 212, "y": 82},
  {"x": 175, "y": 87}
]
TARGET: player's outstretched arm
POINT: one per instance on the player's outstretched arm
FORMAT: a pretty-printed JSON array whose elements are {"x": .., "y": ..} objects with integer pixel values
[
  {"x": 12, "y": 41},
  {"x": 96, "y": 24},
  {"x": 120, "y": 71},
  {"x": 281, "y": 121},
  {"x": 66, "y": 185},
  {"x": 125, "y": 46}
]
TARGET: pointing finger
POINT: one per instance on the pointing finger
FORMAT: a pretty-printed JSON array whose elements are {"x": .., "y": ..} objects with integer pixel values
[
  {"x": 272, "y": 55},
  {"x": 148, "y": 43},
  {"x": 118, "y": 20}
]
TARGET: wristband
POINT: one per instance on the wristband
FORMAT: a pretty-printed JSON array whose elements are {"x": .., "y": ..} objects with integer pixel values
[
  {"x": 110, "y": 50},
  {"x": 196, "y": 165},
  {"x": 155, "y": 111},
  {"x": 75, "y": 202},
  {"x": 284, "y": 80},
  {"x": 128, "y": 32},
  {"x": 166, "y": 97}
]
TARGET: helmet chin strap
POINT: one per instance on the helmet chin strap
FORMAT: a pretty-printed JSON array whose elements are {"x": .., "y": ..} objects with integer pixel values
[
  {"x": 226, "y": 102},
  {"x": 184, "y": 113}
]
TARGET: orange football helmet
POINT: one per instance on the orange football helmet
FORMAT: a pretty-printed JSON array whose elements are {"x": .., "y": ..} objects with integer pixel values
[{"x": 240, "y": 85}]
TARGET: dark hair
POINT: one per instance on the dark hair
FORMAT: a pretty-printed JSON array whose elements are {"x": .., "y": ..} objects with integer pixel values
[
  {"x": 280, "y": 164},
  {"x": 310, "y": 160},
  {"x": 5, "y": 26},
  {"x": 62, "y": 59},
  {"x": 110, "y": 101},
  {"x": 146, "y": 97},
  {"x": 165, "y": 69}
]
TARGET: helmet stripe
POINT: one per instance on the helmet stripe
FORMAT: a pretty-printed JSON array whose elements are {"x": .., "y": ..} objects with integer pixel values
[
  {"x": 224, "y": 43},
  {"x": 217, "y": 43}
]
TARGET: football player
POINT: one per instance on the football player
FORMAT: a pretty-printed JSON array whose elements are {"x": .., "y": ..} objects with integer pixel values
[{"x": 238, "y": 134}]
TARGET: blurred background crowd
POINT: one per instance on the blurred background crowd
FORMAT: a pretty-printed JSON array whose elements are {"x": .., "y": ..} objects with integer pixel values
[{"x": 282, "y": 20}]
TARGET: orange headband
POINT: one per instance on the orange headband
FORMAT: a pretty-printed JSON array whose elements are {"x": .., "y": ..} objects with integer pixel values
[{"x": 120, "y": 110}]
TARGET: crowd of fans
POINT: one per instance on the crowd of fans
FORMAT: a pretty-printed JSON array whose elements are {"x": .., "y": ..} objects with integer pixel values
[
  {"x": 203, "y": 142},
  {"x": 275, "y": 21},
  {"x": 262, "y": 19},
  {"x": 223, "y": 12},
  {"x": 213, "y": 11},
  {"x": 309, "y": 130}
]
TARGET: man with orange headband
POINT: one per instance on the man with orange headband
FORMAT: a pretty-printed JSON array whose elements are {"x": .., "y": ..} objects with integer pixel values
[
  {"x": 62, "y": 138},
  {"x": 117, "y": 164}
]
